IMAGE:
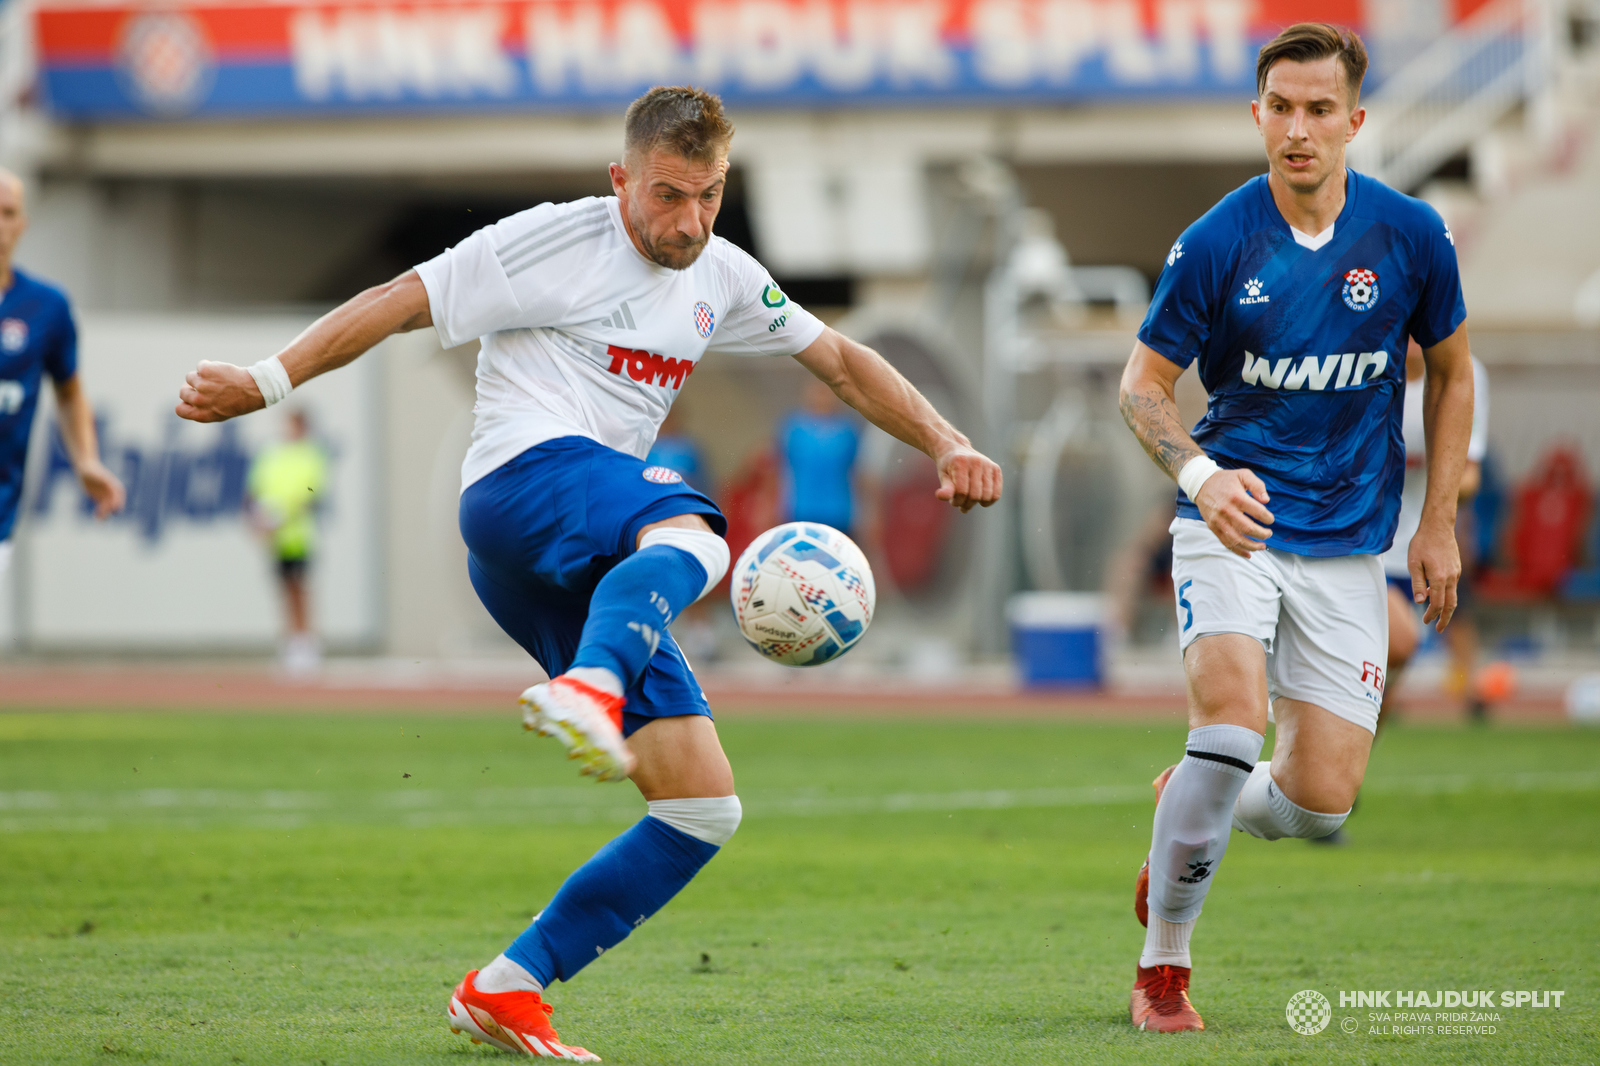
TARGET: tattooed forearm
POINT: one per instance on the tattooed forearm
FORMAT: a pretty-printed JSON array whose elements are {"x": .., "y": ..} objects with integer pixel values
[{"x": 1153, "y": 417}]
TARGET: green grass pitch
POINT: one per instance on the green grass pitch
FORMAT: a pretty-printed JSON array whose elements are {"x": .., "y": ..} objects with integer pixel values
[{"x": 302, "y": 889}]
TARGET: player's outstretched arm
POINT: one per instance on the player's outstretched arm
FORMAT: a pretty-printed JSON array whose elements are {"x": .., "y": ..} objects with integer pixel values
[
  {"x": 215, "y": 392},
  {"x": 83, "y": 448},
  {"x": 864, "y": 379},
  {"x": 1233, "y": 502},
  {"x": 1434, "y": 557}
]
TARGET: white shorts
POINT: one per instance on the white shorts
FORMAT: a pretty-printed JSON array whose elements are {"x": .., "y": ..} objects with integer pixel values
[
  {"x": 5, "y": 557},
  {"x": 1323, "y": 621}
]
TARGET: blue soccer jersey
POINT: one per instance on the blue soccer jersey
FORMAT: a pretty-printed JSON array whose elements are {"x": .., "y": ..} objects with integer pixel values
[
  {"x": 819, "y": 453},
  {"x": 1302, "y": 350},
  {"x": 36, "y": 337}
]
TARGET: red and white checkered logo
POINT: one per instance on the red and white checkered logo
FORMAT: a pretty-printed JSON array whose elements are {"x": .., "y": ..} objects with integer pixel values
[
  {"x": 165, "y": 61},
  {"x": 13, "y": 334},
  {"x": 662, "y": 475},
  {"x": 1360, "y": 290},
  {"x": 705, "y": 320}
]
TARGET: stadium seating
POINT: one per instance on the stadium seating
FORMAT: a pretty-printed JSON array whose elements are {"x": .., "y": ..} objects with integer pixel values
[{"x": 1551, "y": 512}]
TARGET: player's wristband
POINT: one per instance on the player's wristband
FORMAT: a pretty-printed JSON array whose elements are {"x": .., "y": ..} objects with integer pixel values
[
  {"x": 1194, "y": 474},
  {"x": 273, "y": 380}
]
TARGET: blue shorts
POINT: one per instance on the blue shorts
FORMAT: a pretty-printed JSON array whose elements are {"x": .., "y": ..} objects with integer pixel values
[{"x": 541, "y": 532}]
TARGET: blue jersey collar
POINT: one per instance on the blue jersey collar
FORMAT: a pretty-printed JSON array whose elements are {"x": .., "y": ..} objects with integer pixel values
[{"x": 1352, "y": 192}]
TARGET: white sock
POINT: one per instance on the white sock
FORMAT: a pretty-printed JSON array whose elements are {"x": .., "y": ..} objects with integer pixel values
[
  {"x": 1190, "y": 833},
  {"x": 1262, "y": 810},
  {"x": 504, "y": 975},
  {"x": 1166, "y": 943},
  {"x": 1251, "y": 813},
  {"x": 1299, "y": 822},
  {"x": 597, "y": 677},
  {"x": 711, "y": 819}
]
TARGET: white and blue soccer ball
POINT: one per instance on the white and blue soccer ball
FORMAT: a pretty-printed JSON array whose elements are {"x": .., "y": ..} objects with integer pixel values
[{"x": 803, "y": 594}]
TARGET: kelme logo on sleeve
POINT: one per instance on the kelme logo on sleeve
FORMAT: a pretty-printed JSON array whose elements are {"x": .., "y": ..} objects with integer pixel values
[{"x": 772, "y": 296}]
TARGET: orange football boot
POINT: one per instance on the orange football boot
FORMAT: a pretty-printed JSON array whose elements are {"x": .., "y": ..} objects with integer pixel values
[
  {"x": 585, "y": 719},
  {"x": 1141, "y": 886},
  {"x": 518, "y": 1022},
  {"x": 1160, "y": 1000}
]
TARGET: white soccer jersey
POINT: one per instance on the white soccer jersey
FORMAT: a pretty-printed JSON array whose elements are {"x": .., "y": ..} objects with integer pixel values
[
  {"x": 1415, "y": 492},
  {"x": 583, "y": 336}
]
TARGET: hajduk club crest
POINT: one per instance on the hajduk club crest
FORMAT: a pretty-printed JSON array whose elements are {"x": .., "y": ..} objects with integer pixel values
[
  {"x": 13, "y": 334},
  {"x": 1360, "y": 289},
  {"x": 705, "y": 320},
  {"x": 661, "y": 475}
]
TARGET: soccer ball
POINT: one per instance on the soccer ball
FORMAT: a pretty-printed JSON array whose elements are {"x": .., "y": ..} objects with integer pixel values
[{"x": 803, "y": 594}]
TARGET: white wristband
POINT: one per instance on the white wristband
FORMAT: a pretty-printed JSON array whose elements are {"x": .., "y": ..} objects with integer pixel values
[
  {"x": 1194, "y": 474},
  {"x": 272, "y": 379}
]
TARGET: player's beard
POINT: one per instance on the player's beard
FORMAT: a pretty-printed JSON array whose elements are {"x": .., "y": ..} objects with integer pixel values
[{"x": 674, "y": 255}]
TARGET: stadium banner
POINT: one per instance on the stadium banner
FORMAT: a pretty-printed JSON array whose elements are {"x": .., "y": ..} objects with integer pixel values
[
  {"x": 166, "y": 61},
  {"x": 182, "y": 568}
]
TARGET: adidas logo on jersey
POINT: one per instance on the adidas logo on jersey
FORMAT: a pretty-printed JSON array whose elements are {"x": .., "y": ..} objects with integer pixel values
[
  {"x": 648, "y": 367},
  {"x": 1314, "y": 372},
  {"x": 621, "y": 318}
]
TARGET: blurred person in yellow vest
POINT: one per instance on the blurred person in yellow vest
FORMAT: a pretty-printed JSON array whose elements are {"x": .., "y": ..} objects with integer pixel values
[{"x": 286, "y": 482}]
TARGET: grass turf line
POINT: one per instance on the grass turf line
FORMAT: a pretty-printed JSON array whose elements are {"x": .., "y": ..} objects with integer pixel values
[{"x": 182, "y": 922}]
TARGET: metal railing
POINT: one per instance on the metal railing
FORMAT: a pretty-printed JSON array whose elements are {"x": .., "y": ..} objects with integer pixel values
[{"x": 1454, "y": 91}]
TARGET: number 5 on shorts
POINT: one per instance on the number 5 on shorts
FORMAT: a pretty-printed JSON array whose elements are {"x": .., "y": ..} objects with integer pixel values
[{"x": 1184, "y": 603}]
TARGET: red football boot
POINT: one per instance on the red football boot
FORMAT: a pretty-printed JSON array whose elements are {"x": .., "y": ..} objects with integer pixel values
[
  {"x": 1141, "y": 886},
  {"x": 518, "y": 1022},
  {"x": 585, "y": 719},
  {"x": 1160, "y": 1001}
]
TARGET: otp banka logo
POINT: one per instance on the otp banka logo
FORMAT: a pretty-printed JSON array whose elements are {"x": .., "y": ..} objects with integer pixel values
[{"x": 166, "y": 482}]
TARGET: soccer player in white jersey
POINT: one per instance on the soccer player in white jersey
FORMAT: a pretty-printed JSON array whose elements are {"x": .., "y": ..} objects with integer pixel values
[
  {"x": 592, "y": 316},
  {"x": 1294, "y": 296}
]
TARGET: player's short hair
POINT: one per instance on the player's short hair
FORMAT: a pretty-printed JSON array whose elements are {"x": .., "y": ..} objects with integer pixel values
[
  {"x": 686, "y": 121},
  {"x": 1307, "y": 42}
]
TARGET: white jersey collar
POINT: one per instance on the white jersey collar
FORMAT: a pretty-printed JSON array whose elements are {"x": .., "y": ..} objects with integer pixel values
[{"x": 1306, "y": 240}]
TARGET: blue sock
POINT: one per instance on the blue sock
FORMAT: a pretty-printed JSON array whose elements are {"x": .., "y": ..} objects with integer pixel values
[
  {"x": 633, "y": 604},
  {"x": 609, "y": 896}
]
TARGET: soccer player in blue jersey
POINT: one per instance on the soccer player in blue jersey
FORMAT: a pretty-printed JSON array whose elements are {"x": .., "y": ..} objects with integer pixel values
[
  {"x": 38, "y": 337},
  {"x": 1295, "y": 296},
  {"x": 817, "y": 446},
  {"x": 592, "y": 315}
]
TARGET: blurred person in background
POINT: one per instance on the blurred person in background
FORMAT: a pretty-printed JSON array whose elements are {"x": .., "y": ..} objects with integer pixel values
[
  {"x": 1141, "y": 565},
  {"x": 285, "y": 484},
  {"x": 676, "y": 449},
  {"x": 1405, "y": 630},
  {"x": 817, "y": 445},
  {"x": 38, "y": 337}
]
